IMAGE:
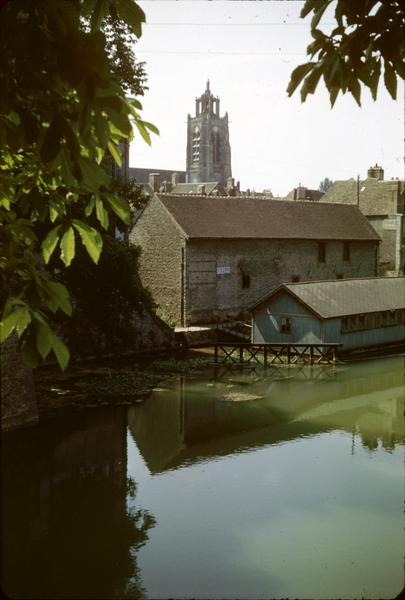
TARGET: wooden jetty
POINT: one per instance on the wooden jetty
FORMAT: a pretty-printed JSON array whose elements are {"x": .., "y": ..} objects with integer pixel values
[{"x": 279, "y": 353}]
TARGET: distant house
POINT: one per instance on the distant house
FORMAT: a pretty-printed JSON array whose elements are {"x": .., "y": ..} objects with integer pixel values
[
  {"x": 382, "y": 202},
  {"x": 210, "y": 188},
  {"x": 143, "y": 175},
  {"x": 303, "y": 193},
  {"x": 359, "y": 313},
  {"x": 206, "y": 258}
]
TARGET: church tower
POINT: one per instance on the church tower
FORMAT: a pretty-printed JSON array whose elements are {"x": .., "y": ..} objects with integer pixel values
[{"x": 208, "y": 149}]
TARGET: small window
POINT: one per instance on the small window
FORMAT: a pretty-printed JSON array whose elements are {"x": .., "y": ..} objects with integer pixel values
[
  {"x": 346, "y": 251},
  {"x": 321, "y": 252},
  {"x": 361, "y": 320},
  {"x": 285, "y": 325},
  {"x": 339, "y": 275},
  {"x": 295, "y": 278},
  {"x": 245, "y": 281}
]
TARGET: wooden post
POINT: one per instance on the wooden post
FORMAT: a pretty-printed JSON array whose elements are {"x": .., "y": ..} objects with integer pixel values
[
  {"x": 311, "y": 353},
  {"x": 288, "y": 354},
  {"x": 265, "y": 355},
  {"x": 216, "y": 353},
  {"x": 241, "y": 354}
]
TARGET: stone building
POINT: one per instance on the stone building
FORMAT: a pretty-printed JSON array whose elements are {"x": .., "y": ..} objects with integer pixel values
[
  {"x": 207, "y": 258},
  {"x": 208, "y": 149},
  {"x": 303, "y": 193},
  {"x": 382, "y": 202}
]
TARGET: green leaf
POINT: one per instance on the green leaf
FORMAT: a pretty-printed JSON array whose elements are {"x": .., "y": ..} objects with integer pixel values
[
  {"x": 98, "y": 14},
  {"x": 67, "y": 246},
  {"x": 102, "y": 214},
  {"x": 132, "y": 14},
  {"x": 121, "y": 121},
  {"x": 390, "y": 80},
  {"x": 43, "y": 339},
  {"x": 53, "y": 213},
  {"x": 120, "y": 207},
  {"x": 355, "y": 89},
  {"x": 8, "y": 324},
  {"x": 89, "y": 208},
  {"x": 151, "y": 127},
  {"x": 311, "y": 82},
  {"x": 333, "y": 94},
  {"x": 93, "y": 175},
  {"x": 49, "y": 243},
  {"x": 114, "y": 152},
  {"x": 23, "y": 321},
  {"x": 60, "y": 350},
  {"x": 58, "y": 297},
  {"x": 318, "y": 12},
  {"x": 298, "y": 75},
  {"x": 90, "y": 238},
  {"x": 374, "y": 79},
  {"x": 143, "y": 131}
]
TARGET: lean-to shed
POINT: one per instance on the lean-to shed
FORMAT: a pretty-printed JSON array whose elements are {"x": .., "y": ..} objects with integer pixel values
[{"x": 358, "y": 313}]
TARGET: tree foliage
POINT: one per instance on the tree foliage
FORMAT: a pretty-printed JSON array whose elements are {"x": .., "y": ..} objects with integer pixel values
[
  {"x": 367, "y": 42},
  {"x": 325, "y": 184},
  {"x": 120, "y": 41},
  {"x": 104, "y": 296},
  {"x": 62, "y": 110}
]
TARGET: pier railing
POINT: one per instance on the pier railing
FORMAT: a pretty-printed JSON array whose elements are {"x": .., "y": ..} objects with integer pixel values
[{"x": 281, "y": 353}]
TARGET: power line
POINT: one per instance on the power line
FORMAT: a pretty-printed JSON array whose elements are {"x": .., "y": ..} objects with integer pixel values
[
  {"x": 266, "y": 24},
  {"x": 208, "y": 52}
]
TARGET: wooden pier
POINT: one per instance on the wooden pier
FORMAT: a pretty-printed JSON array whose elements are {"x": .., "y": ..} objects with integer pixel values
[{"x": 281, "y": 353}]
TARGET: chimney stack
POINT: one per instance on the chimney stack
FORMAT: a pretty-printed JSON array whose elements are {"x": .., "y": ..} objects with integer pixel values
[{"x": 377, "y": 172}]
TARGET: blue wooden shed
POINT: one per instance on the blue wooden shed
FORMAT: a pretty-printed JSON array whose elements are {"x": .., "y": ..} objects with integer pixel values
[{"x": 358, "y": 313}]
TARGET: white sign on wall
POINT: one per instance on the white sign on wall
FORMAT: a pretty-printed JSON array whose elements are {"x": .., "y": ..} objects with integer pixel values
[{"x": 223, "y": 270}]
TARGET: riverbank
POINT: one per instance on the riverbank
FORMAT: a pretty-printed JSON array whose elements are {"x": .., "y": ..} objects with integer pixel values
[{"x": 111, "y": 381}]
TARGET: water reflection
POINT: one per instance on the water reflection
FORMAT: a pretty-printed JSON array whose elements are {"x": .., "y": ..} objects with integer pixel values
[
  {"x": 241, "y": 409},
  {"x": 292, "y": 490},
  {"x": 66, "y": 532}
]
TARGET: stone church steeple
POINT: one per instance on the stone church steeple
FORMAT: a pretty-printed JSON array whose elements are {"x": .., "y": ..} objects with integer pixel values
[{"x": 208, "y": 149}]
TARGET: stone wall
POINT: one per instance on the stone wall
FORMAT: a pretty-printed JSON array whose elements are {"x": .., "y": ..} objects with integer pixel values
[
  {"x": 160, "y": 263},
  {"x": 18, "y": 402},
  {"x": 267, "y": 263},
  {"x": 391, "y": 231}
]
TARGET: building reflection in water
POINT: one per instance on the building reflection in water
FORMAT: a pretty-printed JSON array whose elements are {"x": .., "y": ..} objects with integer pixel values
[
  {"x": 194, "y": 421},
  {"x": 66, "y": 531}
]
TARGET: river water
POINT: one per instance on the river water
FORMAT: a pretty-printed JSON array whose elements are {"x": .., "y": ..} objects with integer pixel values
[{"x": 235, "y": 483}]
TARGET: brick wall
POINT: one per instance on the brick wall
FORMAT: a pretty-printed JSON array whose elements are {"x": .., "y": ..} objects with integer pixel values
[{"x": 18, "y": 402}]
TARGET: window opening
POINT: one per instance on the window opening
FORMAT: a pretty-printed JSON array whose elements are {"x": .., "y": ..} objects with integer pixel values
[
  {"x": 321, "y": 251},
  {"x": 286, "y": 325}
]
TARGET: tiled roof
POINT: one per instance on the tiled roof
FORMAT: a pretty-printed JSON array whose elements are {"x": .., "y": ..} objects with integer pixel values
[
  {"x": 185, "y": 188},
  {"x": 142, "y": 175},
  {"x": 258, "y": 218},
  {"x": 343, "y": 297},
  {"x": 312, "y": 195},
  {"x": 375, "y": 197}
]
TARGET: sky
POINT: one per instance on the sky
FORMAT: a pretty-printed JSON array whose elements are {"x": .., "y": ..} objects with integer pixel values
[{"x": 248, "y": 49}]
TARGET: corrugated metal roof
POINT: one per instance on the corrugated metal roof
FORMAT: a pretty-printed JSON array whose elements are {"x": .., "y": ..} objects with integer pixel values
[
  {"x": 343, "y": 297},
  {"x": 258, "y": 218}
]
